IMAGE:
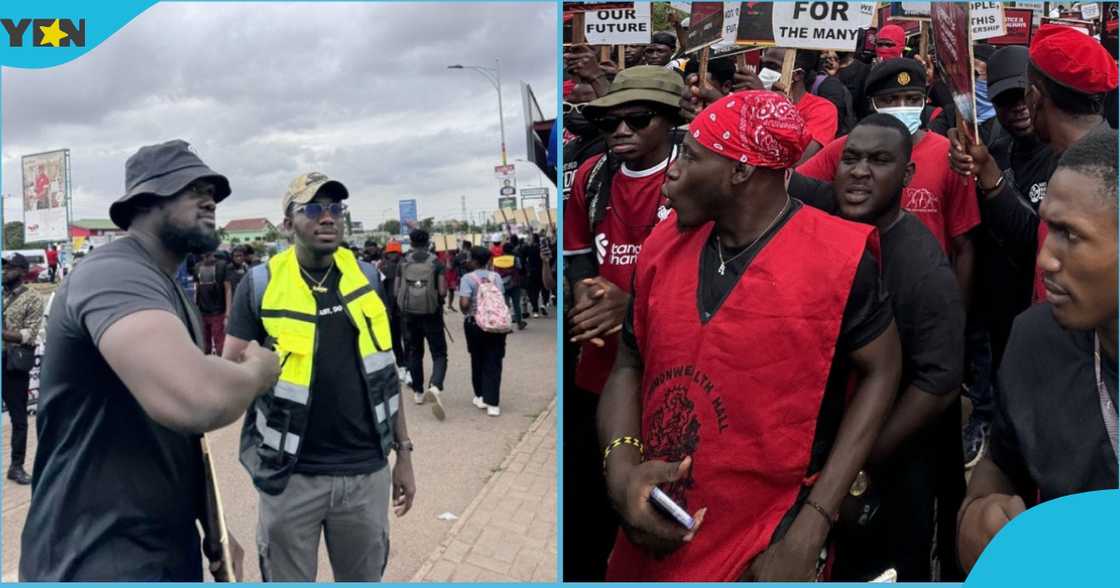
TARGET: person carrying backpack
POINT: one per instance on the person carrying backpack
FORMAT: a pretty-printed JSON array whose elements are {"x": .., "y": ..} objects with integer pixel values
[
  {"x": 508, "y": 266},
  {"x": 486, "y": 323},
  {"x": 420, "y": 287}
]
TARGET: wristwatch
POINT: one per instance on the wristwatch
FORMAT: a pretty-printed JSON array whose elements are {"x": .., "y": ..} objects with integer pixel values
[{"x": 406, "y": 445}]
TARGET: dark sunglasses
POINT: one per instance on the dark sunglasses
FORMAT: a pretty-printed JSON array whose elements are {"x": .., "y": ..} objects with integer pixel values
[
  {"x": 314, "y": 210},
  {"x": 635, "y": 121}
]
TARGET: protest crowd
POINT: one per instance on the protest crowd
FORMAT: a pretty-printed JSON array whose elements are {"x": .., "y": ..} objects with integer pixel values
[
  {"x": 122, "y": 469},
  {"x": 834, "y": 311}
]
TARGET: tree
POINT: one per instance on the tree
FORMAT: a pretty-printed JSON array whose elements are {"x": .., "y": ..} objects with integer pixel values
[
  {"x": 13, "y": 235},
  {"x": 272, "y": 235},
  {"x": 391, "y": 226},
  {"x": 427, "y": 224}
]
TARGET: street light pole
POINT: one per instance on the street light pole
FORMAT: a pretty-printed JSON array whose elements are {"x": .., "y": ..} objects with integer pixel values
[{"x": 494, "y": 76}]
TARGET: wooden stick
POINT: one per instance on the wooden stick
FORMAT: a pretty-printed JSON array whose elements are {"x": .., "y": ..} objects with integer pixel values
[
  {"x": 787, "y": 68},
  {"x": 578, "y": 33},
  {"x": 604, "y": 53},
  {"x": 621, "y": 57},
  {"x": 923, "y": 40},
  {"x": 703, "y": 70}
]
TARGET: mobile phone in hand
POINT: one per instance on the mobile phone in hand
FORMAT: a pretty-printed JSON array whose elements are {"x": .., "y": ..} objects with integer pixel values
[{"x": 666, "y": 505}]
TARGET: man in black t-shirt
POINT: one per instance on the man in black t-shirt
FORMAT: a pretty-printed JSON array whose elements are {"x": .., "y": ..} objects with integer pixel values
[
  {"x": 126, "y": 392},
  {"x": 1055, "y": 431},
  {"x": 236, "y": 270},
  {"x": 213, "y": 299},
  {"x": 340, "y": 482},
  {"x": 915, "y": 468}
]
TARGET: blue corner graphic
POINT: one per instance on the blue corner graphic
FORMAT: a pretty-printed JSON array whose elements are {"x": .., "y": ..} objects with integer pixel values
[
  {"x": 52, "y": 32},
  {"x": 1071, "y": 541}
]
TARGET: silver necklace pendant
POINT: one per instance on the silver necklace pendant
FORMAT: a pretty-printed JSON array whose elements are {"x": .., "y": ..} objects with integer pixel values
[
  {"x": 722, "y": 268},
  {"x": 319, "y": 289}
]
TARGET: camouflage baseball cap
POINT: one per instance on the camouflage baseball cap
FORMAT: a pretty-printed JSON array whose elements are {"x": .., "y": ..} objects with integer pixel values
[{"x": 304, "y": 188}]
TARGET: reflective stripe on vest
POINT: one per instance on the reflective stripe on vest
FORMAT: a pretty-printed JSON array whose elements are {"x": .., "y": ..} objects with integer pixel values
[
  {"x": 394, "y": 406},
  {"x": 271, "y": 437}
]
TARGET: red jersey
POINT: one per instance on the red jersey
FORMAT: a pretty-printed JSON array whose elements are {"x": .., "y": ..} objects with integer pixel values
[
  {"x": 636, "y": 206},
  {"x": 944, "y": 201},
  {"x": 821, "y": 117},
  {"x": 52, "y": 257}
]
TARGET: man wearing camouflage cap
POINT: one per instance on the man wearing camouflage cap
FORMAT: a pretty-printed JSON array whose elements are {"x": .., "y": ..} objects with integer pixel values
[{"x": 317, "y": 445}]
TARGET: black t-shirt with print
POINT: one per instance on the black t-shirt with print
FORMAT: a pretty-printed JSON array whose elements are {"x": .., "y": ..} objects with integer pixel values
[
  {"x": 211, "y": 287},
  {"x": 341, "y": 439}
]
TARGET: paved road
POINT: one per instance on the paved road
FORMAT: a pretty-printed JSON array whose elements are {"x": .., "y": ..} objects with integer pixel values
[{"x": 454, "y": 459}]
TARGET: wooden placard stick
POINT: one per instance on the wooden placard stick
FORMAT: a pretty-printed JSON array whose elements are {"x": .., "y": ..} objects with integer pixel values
[
  {"x": 604, "y": 53},
  {"x": 705, "y": 54},
  {"x": 923, "y": 40},
  {"x": 578, "y": 36},
  {"x": 621, "y": 57},
  {"x": 787, "y": 69}
]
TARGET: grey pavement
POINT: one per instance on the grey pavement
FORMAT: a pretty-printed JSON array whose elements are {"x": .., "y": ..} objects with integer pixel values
[{"x": 453, "y": 462}]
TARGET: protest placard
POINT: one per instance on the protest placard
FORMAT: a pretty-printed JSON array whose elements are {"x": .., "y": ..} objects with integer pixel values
[
  {"x": 705, "y": 25},
  {"x": 577, "y": 6},
  {"x": 950, "y": 25},
  {"x": 804, "y": 25},
  {"x": 1018, "y": 24},
  {"x": 1090, "y": 11},
  {"x": 909, "y": 10},
  {"x": 618, "y": 26},
  {"x": 987, "y": 20}
]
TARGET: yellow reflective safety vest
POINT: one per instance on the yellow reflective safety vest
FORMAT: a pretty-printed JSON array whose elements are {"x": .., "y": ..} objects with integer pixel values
[{"x": 272, "y": 434}]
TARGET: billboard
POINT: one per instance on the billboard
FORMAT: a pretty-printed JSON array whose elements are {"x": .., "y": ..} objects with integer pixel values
[
  {"x": 409, "y": 216},
  {"x": 46, "y": 179}
]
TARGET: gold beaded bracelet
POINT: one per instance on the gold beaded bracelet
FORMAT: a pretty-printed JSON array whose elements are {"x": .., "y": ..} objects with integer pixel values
[{"x": 627, "y": 440}]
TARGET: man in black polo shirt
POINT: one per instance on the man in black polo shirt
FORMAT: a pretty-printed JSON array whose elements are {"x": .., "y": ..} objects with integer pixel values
[
  {"x": 915, "y": 467},
  {"x": 1055, "y": 428},
  {"x": 126, "y": 391}
]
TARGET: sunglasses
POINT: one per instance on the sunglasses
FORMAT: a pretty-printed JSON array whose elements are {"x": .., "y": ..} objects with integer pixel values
[
  {"x": 635, "y": 121},
  {"x": 314, "y": 210}
]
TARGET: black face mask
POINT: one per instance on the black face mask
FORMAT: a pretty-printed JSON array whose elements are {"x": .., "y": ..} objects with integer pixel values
[{"x": 577, "y": 124}]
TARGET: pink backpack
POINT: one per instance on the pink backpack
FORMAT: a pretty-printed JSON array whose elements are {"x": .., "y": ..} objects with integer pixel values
[{"x": 490, "y": 311}]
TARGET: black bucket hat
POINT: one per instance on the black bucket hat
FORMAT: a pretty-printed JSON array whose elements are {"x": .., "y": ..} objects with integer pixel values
[{"x": 163, "y": 170}]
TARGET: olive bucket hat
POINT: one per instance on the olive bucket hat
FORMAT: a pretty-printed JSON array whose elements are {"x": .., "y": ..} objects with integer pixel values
[{"x": 642, "y": 83}]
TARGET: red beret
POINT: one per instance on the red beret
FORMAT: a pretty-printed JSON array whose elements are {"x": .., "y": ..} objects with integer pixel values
[{"x": 1073, "y": 59}]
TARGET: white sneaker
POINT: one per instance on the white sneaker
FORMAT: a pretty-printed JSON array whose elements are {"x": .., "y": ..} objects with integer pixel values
[
  {"x": 493, "y": 411},
  {"x": 535, "y": 315},
  {"x": 478, "y": 402},
  {"x": 406, "y": 378},
  {"x": 418, "y": 397},
  {"x": 437, "y": 405}
]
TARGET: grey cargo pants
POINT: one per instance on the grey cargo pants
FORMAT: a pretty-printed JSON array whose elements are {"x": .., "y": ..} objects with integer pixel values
[{"x": 351, "y": 511}]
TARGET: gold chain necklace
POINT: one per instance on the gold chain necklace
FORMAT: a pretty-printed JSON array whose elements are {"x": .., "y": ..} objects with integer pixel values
[
  {"x": 719, "y": 245},
  {"x": 318, "y": 287}
]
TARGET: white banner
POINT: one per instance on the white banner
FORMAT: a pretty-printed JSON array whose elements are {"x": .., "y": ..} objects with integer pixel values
[
  {"x": 730, "y": 25},
  {"x": 618, "y": 27},
  {"x": 1090, "y": 11},
  {"x": 821, "y": 25},
  {"x": 987, "y": 20},
  {"x": 44, "y": 196}
]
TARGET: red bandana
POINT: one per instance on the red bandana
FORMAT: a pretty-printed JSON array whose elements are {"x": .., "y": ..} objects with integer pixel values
[{"x": 755, "y": 127}]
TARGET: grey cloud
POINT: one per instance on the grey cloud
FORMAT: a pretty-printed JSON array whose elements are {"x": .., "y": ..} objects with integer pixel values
[{"x": 267, "y": 91}]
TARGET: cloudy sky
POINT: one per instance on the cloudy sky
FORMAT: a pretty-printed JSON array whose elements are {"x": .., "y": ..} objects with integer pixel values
[{"x": 267, "y": 91}]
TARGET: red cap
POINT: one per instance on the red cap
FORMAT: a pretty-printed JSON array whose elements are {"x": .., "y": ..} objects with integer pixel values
[
  {"x": 1073, "y": 59},
  {"x": 393, "y": 246}
]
